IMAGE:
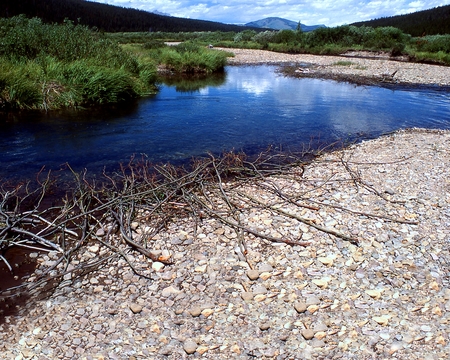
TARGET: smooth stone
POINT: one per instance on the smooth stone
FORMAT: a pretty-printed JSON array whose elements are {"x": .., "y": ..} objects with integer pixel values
[
  {"x": 312, "y": 300},
  {"x": 259, "y": 289},
  {"x": 260, "y": 297},
  {"x": 265, "y": 275},
  {"x": 195, "y": 311},
  {"x": 207, "y": 312},
  {"x": 170, "y": 290},
  {"x": 157, "y": 266},
  {"x": 308, "y": 334},
  {"x": 190, "y": 346},
  {"x": 300, "y": 306},
  {"x": 253, "y": 274},
  {"x": 202, "y": 349},
  {"x": 265, "y": 267},
  {"x": 320, "y": 327},
  {"x": 394, "y": 347},
  {"x": 247, "y": 295}
]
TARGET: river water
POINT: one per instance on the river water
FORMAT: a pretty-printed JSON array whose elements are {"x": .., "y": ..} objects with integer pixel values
[{"x": 246, "y": 108}]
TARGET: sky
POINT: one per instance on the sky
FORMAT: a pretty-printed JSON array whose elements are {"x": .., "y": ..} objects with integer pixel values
[{"x": 309, "y": 12}]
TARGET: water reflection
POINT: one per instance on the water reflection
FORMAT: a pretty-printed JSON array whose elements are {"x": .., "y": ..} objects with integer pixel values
[
  {"x": 246, "y": 108},
  {"x": 193, "y": 83}
]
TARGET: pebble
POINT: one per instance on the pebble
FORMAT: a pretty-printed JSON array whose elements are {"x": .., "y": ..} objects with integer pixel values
[
  {"x": 253, "y": 274},
  {"x": 300, "y": 306},
  {"x": 157, "y": 266},
  {"x": 190, "y": 346},
  {"x": 247, "y": 295},
  {"x": 170, "y": 290},
  {"x": 136, "y": 308},
  {"x": 308, "y": 334},
  {"x": 195, "y": 311}
]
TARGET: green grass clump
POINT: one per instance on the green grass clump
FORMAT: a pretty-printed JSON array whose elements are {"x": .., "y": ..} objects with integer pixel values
[
  {"x": 343, "y": 63},
  {"x": 17, "y": 86},
  {"x": 46, "y": 66},
  {"x": 187, "y": 57}
]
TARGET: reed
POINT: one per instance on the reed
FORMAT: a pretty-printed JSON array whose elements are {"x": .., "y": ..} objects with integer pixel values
[
  {"x": 53, "y": 66},
  {"x": 188, "y": 58}
]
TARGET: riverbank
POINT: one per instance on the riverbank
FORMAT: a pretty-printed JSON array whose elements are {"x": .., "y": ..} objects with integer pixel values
[
  {"x": 359, "y": 67},
  {"x": 357, "y": 267}
]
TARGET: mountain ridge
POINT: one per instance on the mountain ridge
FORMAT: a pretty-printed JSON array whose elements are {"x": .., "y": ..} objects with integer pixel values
[
  {"x": 425, "y": 22},
  {"x": 107, "y": 17}
]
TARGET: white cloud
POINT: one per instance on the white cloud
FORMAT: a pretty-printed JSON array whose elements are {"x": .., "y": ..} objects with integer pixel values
[{"x": 328, "y": 12}]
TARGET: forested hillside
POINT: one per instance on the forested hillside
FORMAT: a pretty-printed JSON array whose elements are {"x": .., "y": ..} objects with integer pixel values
[
  {"x": 107, "y": 17},
  {"x": 427, "y": 22}
]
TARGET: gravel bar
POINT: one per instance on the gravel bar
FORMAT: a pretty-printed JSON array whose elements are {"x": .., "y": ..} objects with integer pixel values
[{"x": 376, "y": 67}]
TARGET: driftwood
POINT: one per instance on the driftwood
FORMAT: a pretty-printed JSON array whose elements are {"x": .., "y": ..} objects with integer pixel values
[{"x": 105, "y": 213}]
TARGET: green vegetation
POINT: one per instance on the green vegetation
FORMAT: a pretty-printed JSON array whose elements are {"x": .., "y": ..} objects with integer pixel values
[
  {"x": 338, "y": 40},
  {"x": 427, "y": 22},
  {"x": 186, "y": 57},
  {"x": 343, "y": 63},
  {"x": 53, "y": 66},
  {"x": 46, "y": 66},
  {"x": 107, "y": 18},
  {"x": 110, "y": 18}
]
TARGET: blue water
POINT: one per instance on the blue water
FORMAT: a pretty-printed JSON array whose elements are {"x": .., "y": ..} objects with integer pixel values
[{"x": 251, "y": 108}]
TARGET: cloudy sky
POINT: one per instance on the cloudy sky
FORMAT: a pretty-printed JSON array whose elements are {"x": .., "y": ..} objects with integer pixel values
[{"x": 309, "y": 12}]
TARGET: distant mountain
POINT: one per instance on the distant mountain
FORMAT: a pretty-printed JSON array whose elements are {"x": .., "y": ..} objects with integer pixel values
[
  {"x": 426, "y": 22},
  {"x": 277, "y": 23}
]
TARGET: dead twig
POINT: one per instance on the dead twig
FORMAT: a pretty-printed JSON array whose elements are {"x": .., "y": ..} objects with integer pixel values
[{"x": 302, "y": 219}]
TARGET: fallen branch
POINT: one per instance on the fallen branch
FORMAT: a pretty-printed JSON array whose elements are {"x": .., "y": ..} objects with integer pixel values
[{"x": 302, "y": 219}]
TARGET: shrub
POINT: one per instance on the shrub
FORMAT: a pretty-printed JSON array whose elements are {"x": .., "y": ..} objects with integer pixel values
[
  {"x": 264, "y": 38},
  {"x": 285, "y": 37},
  {"x": 154, "y": 44},
  {"x": 433, "y": 43},
  {"x": 245, "y": 35}
]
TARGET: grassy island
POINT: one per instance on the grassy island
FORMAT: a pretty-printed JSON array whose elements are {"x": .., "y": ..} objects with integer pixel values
[{"x": 48, "y": 67}]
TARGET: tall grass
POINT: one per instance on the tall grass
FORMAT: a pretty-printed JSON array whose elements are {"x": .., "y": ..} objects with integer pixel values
[
  {"x": 187, "y": 57},
  {"x": 46, "y": 66},
  {"x": 17, "y": 85}
]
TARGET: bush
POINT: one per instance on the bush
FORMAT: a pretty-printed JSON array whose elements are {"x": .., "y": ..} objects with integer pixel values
[
  {"x": 386, "y": 38},
  {"x": 154, "y": 44},
  {"x": 434, "y": 43},
  {"x": 198, "y": 60},
  {"x": 264, "y": 38},
  {"x": 285, "y": 37},
  {"x": 397, "y": 49},
  {"x": 245, "y": 35}
]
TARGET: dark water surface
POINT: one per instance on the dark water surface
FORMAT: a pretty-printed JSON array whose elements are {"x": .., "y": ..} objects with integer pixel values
[{"x": 247, "y": 109}]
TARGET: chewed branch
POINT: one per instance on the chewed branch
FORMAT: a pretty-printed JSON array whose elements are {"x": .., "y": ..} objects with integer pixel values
[{"x": 111, "y": 215}]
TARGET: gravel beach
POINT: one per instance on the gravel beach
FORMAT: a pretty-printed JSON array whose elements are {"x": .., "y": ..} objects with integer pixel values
[
  {"x": 361, "y": 67},
  {"x": 358, "y": 266}
]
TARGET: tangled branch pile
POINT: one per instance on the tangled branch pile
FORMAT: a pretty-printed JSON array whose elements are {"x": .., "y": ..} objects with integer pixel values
[{"x": 129, "y": 210}]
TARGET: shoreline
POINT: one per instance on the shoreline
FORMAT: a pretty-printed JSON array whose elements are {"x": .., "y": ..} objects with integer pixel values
[
  {"x": 360, "y": 67},
  {"x": 232, "y": 294}
]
